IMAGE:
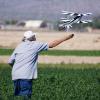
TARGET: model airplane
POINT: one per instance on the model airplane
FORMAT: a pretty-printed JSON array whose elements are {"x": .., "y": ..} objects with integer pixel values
[{"x": 74, "y": 18}]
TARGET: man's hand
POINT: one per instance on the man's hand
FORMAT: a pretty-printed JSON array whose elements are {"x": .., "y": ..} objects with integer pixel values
[
  {"x": 58, "y": 41},
  {"x": 69, "y": 36}
]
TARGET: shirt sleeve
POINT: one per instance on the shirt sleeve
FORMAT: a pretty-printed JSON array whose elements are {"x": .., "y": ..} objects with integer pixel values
[
  {"x": 12, "y": 59},
  {"x": 42, "y": 47}
]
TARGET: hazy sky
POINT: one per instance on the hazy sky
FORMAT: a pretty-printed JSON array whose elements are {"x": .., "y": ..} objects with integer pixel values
[{"x": 45, "y": 9}]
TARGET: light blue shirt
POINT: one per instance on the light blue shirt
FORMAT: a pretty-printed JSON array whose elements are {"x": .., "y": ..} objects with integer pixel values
[{"x": 25, "y": 58}]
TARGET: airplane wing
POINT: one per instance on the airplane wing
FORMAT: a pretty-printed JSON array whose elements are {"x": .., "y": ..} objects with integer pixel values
[
  {"x": 86, "y": 21},
  {"x": 68, "y": 13},
  {"x": 65, "y": 20},
  {"x": 87, "y": 14}
]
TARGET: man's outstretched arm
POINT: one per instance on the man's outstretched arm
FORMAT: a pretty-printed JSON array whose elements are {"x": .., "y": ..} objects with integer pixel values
[{"x": 59, "y": 41}]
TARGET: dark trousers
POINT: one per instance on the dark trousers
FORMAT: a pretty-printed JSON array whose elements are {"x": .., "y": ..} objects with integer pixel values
[{"x": 23, "y": 87}]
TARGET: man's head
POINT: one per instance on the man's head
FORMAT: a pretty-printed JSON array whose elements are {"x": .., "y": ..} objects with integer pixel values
[{"x": 29, "y": 35}]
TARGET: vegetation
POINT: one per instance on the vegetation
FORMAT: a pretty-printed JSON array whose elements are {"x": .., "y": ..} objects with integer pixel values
[
  {"x": 72, "y": 52},
  {"x": 6, "y": 51},
  {"x": 11, "y": 22},
  {"x": 57, "y": 82},
  {"x": 60, "y": 52},
  {"x": 95, "y": 24}
]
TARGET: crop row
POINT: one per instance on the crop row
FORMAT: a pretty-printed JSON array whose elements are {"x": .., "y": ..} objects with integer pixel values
[
  {"x": 57, "y": 82},
  {"x": 60, "y": 52}
]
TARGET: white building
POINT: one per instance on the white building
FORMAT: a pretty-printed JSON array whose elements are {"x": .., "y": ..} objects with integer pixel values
[{"x": 33, "y": 24}]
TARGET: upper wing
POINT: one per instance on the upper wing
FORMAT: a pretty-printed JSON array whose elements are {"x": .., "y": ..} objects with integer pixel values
[{"x": 68, "y": 13}]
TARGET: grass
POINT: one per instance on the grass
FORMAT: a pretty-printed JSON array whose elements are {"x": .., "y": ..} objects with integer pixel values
[
  {"x": 6, "y": 51},
  {"x": 57, "y": 82},
  {"x": 59, "y": 52}
]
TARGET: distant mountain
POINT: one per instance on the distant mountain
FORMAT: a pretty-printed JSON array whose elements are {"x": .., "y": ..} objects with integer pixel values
[{"x": 45, "y": 9}]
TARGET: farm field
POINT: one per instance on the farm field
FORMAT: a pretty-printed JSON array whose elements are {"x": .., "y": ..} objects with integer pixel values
[
  {"x": 81, "y": 41},
  {"x": 57, "y": 82},
  {"x": 59, "y": 56},
  {"x": 83, "y": 48},
  {"x": 58, "y": 52}
]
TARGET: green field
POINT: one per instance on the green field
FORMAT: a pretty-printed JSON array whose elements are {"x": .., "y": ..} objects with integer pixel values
[
  {"x": 60, "y": 52},
  {"x": 57, "y": 82}
]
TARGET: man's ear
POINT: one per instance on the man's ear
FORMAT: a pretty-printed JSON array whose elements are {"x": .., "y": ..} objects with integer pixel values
[{"x": 33, "y": 38}]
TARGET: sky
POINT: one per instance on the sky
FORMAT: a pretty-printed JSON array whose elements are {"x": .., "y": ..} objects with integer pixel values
[{"x": 45, "y": 9}]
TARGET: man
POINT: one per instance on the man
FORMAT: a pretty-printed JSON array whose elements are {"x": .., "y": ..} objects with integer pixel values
[{"x": 24, "y": 62}]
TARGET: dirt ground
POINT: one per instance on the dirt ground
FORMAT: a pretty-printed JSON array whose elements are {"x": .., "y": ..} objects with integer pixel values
[
  {"x": 81, "y": 41},
  {"x": 60, "y": 59}
]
